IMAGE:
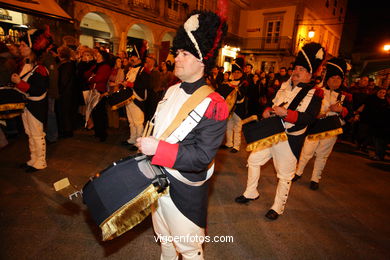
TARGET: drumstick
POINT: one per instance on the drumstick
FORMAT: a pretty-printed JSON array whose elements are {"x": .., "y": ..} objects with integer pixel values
[
  {"x": 146, "y": 130},
  {"x": 150, "y": 128}
]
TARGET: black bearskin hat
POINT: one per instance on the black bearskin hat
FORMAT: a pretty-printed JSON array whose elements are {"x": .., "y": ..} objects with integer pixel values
[
  {"x": 238, "y": 64},
  {"x": 201, "y": 35},
  {"x": 38, "y": 40},
  {"x": 310, "y": 57},
  {"x": 335, "y": 66}
]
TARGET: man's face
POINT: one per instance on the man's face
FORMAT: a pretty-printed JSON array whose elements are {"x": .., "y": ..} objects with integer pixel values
[
  {"x": 247, "y": 69},
  {"x": 214, "y": 71},
  {"x": 334, "y": 82},
  {"x": 134, "y": 60},
  {"x": 149, "y": 63},
  {"x": 187, "y": 67},
  {"x": 363, "y": 82},
  {"x": 282, "y": 72},
  {"x": 237, "y": 74},
  {"x": 300, "y": 75},
  {"x": 381, "y": 93},
  {"x": 25, "y": 51}
]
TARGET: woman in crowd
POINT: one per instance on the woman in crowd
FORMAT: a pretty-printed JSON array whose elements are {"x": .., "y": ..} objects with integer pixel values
[
  {"x": 166, "y": 76},
  {"x": 33, "y": 79},
  {"x": 97, "y": 78},
  {"x": 117, "y": 77}
]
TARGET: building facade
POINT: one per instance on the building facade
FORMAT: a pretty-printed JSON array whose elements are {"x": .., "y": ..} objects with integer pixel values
[{"x": 271, "y": 32}]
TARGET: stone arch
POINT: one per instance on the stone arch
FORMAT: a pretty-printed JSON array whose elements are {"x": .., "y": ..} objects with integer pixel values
[
  {"x": 166, "y": 40},
  {"x": 109, "y": 18},
  {"x": 141, "y": 31}
]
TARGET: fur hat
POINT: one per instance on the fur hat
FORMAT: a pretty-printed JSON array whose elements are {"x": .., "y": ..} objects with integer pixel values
[
  {"x": 38, "y": 40},
  {"x": 310, "y": 57},
  {"x": 335, "y": 66},
  {"x": 238, "y": 64},
  {"x": 202, "y": 35}
]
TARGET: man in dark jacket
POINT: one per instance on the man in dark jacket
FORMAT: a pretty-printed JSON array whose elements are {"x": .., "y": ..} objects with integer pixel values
[
  {"x": 187, "y": 158},
  {"x": 295, "y": 106}
]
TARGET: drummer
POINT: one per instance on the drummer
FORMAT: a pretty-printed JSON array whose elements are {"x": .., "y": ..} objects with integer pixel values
[
  {"x": 335, "y": 103},
  {"x": 297, "y": 103},
  {"x": 33, "y": 79},
  {"x": 138, "y": 78},
  {"x": 182, "y": 212}
]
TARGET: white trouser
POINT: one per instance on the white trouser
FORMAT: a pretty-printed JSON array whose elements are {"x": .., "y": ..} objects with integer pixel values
[
  {"x": 284, "y": 162},
  {"x": 36, "y": 140},
  {"x": 233, "y": 132},
  {"x": 322, "y": 149},
  {"x": 169, "y": 222},
  {"x": 135, "y": 116}
]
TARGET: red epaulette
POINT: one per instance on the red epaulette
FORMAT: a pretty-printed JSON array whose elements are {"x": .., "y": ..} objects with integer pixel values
[
  {"x": 42, "y": 70},
  {"x": 348, "y": 96},
  {"x": 218, "y": 109},
  {"x": 147, "y": 70},
  {"x": 319, "y": 92}
]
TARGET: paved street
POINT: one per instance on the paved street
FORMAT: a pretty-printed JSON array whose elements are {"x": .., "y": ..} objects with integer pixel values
[{"x": 347, "y": 218}]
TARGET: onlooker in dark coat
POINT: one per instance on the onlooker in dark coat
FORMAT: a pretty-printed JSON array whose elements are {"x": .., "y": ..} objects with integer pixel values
[{"x": 66, "y": 106}]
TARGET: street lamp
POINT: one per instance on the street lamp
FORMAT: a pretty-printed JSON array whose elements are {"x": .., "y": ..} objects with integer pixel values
[{"x": 311, "y": 33}]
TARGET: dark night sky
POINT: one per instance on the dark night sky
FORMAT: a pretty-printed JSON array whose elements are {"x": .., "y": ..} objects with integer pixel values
[{"x": 373, "y": 24}]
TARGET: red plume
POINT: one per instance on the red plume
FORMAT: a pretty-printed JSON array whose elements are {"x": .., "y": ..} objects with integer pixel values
[{"x": 222, "y": 7}]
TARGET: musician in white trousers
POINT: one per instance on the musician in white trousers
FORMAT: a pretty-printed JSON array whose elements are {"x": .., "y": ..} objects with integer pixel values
[
  {"x": 239, "y": 111},
  {"x": 138, "y": 78},
  {"x": 322, "y": 135},
  {"x": 296, "y": 103},
  {"x": 188, "y": 160},
  {"x": 33, "y": 80}
]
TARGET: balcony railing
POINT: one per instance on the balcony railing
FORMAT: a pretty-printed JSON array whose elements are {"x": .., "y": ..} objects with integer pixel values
[
  {"x": 147, "y": 6},
  {"x": 267, "y": 43}
]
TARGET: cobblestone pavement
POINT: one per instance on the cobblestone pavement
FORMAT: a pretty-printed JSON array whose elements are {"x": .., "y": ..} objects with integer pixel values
[{"x": 347, "y": 218}]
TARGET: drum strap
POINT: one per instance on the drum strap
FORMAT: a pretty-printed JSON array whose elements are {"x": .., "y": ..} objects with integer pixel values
[
  {"x": 298, "y": 98},
  {"x": 189, "y": 116},
  {"x": 193, "y": 101}
]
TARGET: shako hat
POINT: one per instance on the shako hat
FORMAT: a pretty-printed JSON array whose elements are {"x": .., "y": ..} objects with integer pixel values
[
  {"x": 335, "y": 66},
  {"x": 202, "y": 34},
  {"x": 310, "y": 57},
  {"x": 238, "y": 64},
  {"x": 38, "y": 39}
]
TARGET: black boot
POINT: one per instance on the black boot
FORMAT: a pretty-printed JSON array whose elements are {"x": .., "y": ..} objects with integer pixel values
[
  {"x": 314, "y": 185},
  {"x": 272, "y": 215}
]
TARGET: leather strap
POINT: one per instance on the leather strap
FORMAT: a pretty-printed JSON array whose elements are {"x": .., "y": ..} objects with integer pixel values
[{"x": 192, "y": 102}]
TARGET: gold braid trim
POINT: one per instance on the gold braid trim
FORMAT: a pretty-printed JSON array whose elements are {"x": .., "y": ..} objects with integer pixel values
[
  {"x": 130, "y": 214},
  {"x": 231, "y": 99},
  {"x": 326, "y": 134},
  {"x": 16, "y": 106},
  {"x": 267, "y": 142},
  {"x": 123, "y": 103}
]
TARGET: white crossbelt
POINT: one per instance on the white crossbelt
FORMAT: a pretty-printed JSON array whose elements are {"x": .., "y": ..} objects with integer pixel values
[{"x": 181, "y": 132}]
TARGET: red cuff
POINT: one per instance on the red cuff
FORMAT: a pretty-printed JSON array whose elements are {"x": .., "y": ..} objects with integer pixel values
[
  {"x": 130, "y": 84},
  {"x": 344, "y": 112},
  {"x": 166, "y": 154},
  {"x": 23, "y": 86},
  {"x": 292, "y": 116}
]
